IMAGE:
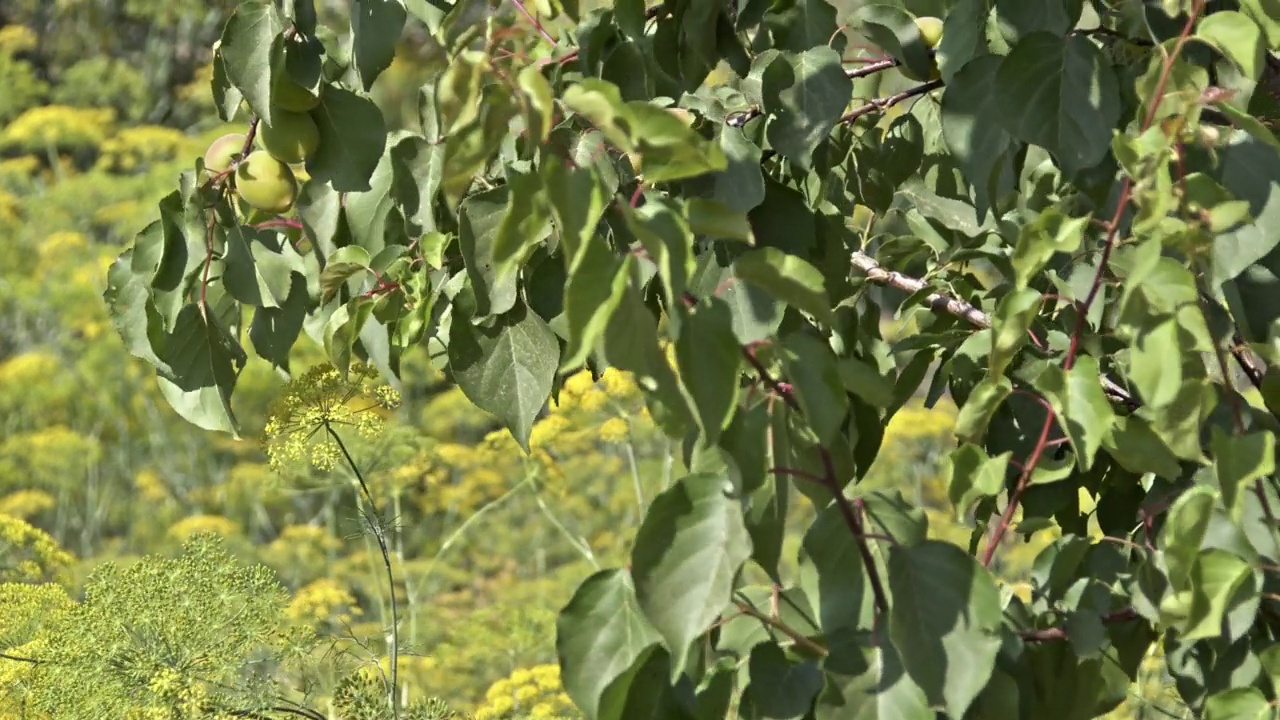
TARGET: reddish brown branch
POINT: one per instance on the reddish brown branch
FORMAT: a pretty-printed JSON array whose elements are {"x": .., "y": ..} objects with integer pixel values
[
  {"x": 829, "y": 480},
  {"x": 1073, "y": 350},
  {"x": 884, "y": 103},
  {"x": 1057, "y": 633}
]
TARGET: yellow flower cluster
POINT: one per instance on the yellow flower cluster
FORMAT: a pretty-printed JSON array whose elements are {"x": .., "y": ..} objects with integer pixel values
[
  {"x": 9, "y": 209},
  {"x": 321, "y": 402},
  {"x": 25, "y": 504},
  {"x": 151, "y": 486},
  {"x": 322, "y": 602},
  {"x": 60, "y": 126},
  {"x": 29, "y": 554},
  {"x": 143, "y": 145},
  {"x": 197, "y": 524},
  {"x": 535, "y": 692},
  {"x": 16, "y": 39},
  {"x": 172, "y": 691}
]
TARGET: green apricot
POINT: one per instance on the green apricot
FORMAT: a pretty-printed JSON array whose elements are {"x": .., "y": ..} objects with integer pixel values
[
  {"x": 265, "y": 183},
  {"x": 291, "y": 137},
  {"x": 222, "y": 152}
]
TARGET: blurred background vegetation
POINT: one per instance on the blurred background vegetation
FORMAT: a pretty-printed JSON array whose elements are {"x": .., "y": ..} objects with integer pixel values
[{"x": 102, "y": 104}]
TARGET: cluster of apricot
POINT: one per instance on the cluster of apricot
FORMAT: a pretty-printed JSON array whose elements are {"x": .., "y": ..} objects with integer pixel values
[{"x": 262, "y": 177}]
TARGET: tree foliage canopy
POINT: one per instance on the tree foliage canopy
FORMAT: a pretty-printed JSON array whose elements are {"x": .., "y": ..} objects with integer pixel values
[{"x": 1072, "y": 213}]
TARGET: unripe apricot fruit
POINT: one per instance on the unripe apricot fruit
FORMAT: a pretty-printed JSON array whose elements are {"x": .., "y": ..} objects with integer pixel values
[
  {"x": 291, "y": 96},
  {"x": 265, "y": 183},
  {"x": 222, "y": 152},
  {"x": 291, "y": 137},
  {"x": 930, "y": 29}
]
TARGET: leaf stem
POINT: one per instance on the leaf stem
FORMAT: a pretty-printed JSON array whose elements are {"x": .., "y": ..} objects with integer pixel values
[
  {"x": 782, "y": 627},
  {"x": 379, "y": 534}
]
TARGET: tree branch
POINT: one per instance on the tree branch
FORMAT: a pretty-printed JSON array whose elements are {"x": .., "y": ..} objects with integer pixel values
[
  {"x": 940, "y": 303},
  {"x": 884, "y": 103},
  {"x": 782, "y": 627},
  {"x": 1057, "y": 633},
  {"x": 832, "y": 483}
]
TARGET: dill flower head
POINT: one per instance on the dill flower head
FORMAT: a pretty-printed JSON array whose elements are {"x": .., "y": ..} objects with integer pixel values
[{"x": 319, "y": 402}]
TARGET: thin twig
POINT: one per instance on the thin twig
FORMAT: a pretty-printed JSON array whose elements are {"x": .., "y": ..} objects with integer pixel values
[
  {"x": 1057, "y": 633},
  {"x": 536, "y": 25},
  {"x": 379, "y": 534},
  {"x": 782, "y": 627},
  {"x": 831, "y": 482},
  {"x": 871, "y": 68},
  {"x": 940, "y": 303},
  {"x": 1126, "y": 190},
  {"x": 884, "y": 103}
]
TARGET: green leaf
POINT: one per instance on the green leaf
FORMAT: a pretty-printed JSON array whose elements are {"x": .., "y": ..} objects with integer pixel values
[
  {"x": 976, "y": 413},
  {"x": 371, "y": 213},
  {"x": 945, "y": 621},
  {"x": 577, "y": 201},
  {"x": 1242, "y": 703},
  {"x": 815, "y": 377},
  {"x": 352, "y": 137},
  {"x": 343, "y": 329},
  {"x": 709, "y": 359},
  {"x": 973, "y": 475},
  {"x": 1137, "y": 448},
  {"x": 1061, "y": 94},
  {"x": 1051, "y": 232},
  {"x": 342, "y": 266},
  {"x": 1155, "y": 363},
  {"x": 1251, "y": 171},
  {"x": 686, "y": 555},
  {"x": 1237, "y": 37},
  {"x": 247, "y": 42},
  {"x": 202, "y": 362},
  {"x": 1217, "y": 578},
  {"x": 275, "y": 329},
  {"x": 600, "y": 635},
  {"x": 458, "y": 90},
  {"x": 1083, "y": 411},
  {"x": 861, "y": 379},
  {"x": 894, "y": 30},
  {"x": 740, "y": 185},
  {"x": 789, "y": 277},
  {"x": 779, "y": 688},
  {"x": 1024, "y": 18},
  {"x": 258, "y": 267},
  {"x": 833, "y": 574},
  {"x": 1184, "y": 532},
  {"x": 375, "y": 28},
  {"x": 506, "y": 367},
  {"x": 805, "y": 94},
  {"x": 1239, "y": 460},
  {"x": 668, "y": 240},
  {"x": 1267, "y": 14},
  {"x": 718, "y": 221},
  {"x": 973, "y": 129},
  {"x": 1012, "y": 320},
  {"x": 596, "y": 286},
  {"x": 526, "y": 222},
  {"x": 479, "y": 219},
  {"x": 865, "y": 681},
  {"x": 540, "y": 105}
]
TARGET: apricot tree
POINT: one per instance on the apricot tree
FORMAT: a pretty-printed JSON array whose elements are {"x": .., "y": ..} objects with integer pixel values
[{"x": 1075, "y": 220}]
